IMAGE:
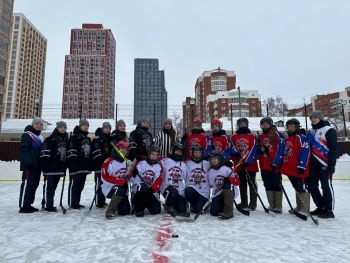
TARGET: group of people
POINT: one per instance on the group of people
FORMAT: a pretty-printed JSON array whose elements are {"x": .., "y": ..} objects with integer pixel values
[{"x": 144, "y": 172}]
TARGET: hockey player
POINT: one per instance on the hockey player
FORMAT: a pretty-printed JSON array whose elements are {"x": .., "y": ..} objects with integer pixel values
[
  {"x": 100, "y": 151},
  {"x": 244, "y": 141},
  {"x": 140, "y": 141},
  {"x": 197, "y": 184},
  {"x": 115, "y": 176},
  {"x": 174, "y": 178},
  {"x": 197, "y": 138},
  {"x": 31, "y": 144},
  {"x": 296, "y": 162},
  {"x": 147, "y": 178},
  {"x": 78, "y": 154},
  {"x": 324, "y": 149},
  {"x": 271, "y": 146},
  {"x": 53, "y": 160},
  {"x": 220, "y": 179},
  {"x": 119, "y": 134},
  {"x": 221, "y": 142}
]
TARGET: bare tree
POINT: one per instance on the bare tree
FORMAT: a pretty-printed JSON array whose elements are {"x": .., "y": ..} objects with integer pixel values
[
  {"x": 178, "y": 123},
  {"x": 277, "y": 107}
]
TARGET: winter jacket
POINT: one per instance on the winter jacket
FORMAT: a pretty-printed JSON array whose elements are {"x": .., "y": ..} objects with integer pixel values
[
  {"x": 100, "y": 149},
  {"x": 323, "y": 142},
  {"x": 31, "y": 144},
  {"x": 53, "y": 156},
  {"x": 140, "y": 143},
  {"x": 222, "y": 143},
  {"x": 79, "y": 151},
  {"x": 273, "y": 152},
  {"x": 197, "y": 138},
  {"x": 164, "y": 141}
]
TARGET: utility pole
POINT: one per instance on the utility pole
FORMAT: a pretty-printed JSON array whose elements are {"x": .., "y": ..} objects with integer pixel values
[
  {"x": 267, "y": 110},
  {"x": 239, "y": 101},
  {"x": 342, "y": 109},
  {"x": 231, "y": 109},
  {"x": 116, "y": 115},
  {"x": 305, "y": 115},
  {"x": 154, "y": 119}
]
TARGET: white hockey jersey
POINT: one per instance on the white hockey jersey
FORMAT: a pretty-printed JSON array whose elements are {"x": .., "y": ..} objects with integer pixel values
[
  {"x": 115, "y": 174},
  {"x": 149, "y": 173},
  {"x": 216, "y": 178},
  {"x": 174, "y": 173},
  {"x": 197, "y": 177}
]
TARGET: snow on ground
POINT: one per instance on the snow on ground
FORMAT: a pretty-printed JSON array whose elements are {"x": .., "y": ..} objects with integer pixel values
[{"x": 77, "y": 237}]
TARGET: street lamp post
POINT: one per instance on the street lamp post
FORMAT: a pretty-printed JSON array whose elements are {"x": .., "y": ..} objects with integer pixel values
[
  {"x": 192, "y": 103},
  {"x": 37, "y": 103},
  {"x": 342, "y": 103}
]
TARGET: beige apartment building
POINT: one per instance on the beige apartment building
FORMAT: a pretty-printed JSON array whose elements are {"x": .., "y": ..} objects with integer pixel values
[{"x": 25, "y": 86}]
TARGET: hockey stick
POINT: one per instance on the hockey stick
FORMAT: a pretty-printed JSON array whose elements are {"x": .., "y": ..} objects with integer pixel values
[
  {"x": 244, "y": 212},
  {"x": 301, "y": 216},
  {"x": 308, "y": 212},
  {"x": 64, "y": 210},
  {"x": 256, "y": 191}
]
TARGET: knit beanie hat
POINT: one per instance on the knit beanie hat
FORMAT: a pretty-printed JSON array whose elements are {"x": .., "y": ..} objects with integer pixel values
[
  {"x": 120, "y": 122},
  {"x": 106, "y": 125},
  {"x": 37, "y": 120},
  {"x": 83, "y": 122},
  {"x": 317, "y": 114},
  {"x": 61, "y": 124}
]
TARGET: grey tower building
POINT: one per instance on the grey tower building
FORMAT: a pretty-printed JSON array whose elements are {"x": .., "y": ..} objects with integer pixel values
[{"x": 150, "y": 96}]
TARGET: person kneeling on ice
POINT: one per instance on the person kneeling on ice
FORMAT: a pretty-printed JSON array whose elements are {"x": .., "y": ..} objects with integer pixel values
[
  {"x": 296, "y": 161},
  {"x": 173, "y": 185},
  {"x": 220, "y": 179},
  {"x": 147, "y": 177},
  {"x": 115, "y": 174},
  {"x": 197, "y": 184}
]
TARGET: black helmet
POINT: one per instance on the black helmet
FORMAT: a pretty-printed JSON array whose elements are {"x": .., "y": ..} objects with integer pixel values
[
  {"x": 242, "y": 120},
  {"x": 266, "y": 120},
  {"x": 215, "y": 154},
  {"x": 176, "y": 157},
  {"x": 194, "y": 149},
  {"x": 293, "y": 121},
  {"x": 154, "y": 148}
]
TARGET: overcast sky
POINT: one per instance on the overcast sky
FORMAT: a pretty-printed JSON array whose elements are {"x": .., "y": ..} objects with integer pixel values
[{"x": 292, "y": 48}]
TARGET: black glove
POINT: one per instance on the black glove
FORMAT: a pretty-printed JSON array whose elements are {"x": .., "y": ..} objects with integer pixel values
[
  {"x": 301, "y": 170},
  {"x": 264, "y": 149},
  {"x": 228, "y": 164},
  {"x": 330, "y": 169}
]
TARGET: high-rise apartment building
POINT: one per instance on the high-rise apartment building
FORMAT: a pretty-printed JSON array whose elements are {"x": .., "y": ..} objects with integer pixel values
[
  {"x": 150, "y": 96},
  {"x": 6, "y": 9},
  {"x": 89, "y": 74},
  {"x": 26, "y": 73}
]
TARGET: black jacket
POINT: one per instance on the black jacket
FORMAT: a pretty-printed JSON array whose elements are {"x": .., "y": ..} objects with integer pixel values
[
  {"x": 53, "y": 156},
  {"x": 140, "y": 143},
  {"x": 100, "y": 149},
  {"x": 79, "y": 151},
  {"x": 31, "y": 144}
]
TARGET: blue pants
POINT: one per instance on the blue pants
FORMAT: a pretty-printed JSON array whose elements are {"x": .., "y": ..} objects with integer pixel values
[
  {"x": 299, "y": 184},
  {"x": 318, "y": 173},
  {"x": 272, "y": 180},
  {"x": 174, "y": 199},
  {"x": 75, "y": 187},
  {"x": 30, "y": 182},
  {"x": 144, "y": 199},
  {"x": 100, "y": 198},
  {"x": 49, "y": 188},
  {"x": 124, "y": 206},
  {"x": 196, "y": 200}
]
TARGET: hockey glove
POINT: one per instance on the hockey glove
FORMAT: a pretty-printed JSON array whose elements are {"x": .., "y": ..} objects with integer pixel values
[{"x": 301, "y": 170}]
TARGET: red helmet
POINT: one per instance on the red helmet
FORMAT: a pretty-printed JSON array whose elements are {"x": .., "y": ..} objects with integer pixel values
[
  {"x": 122, "y": 144},
  {"x": 197, "y": 120},
  {"x": 216, "y": 122}
]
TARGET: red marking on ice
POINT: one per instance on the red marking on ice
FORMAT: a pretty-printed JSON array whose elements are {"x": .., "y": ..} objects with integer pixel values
[{"x": 163, "y": 236}]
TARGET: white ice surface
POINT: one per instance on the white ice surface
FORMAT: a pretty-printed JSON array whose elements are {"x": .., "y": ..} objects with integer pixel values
[{"x": 74, "y": 237}]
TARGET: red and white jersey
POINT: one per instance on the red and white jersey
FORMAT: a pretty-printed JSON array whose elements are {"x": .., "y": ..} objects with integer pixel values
[
  {"x": 197, "y": 177},
  {"x": 151, "y": 175},
  {"x": 113, "y": 174},
  {"x": 245, "y": 144},
  {"x": 216, "y": 178},
  {"x": 174, "y": 173},
  {"x": 275, "y": 151}
]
